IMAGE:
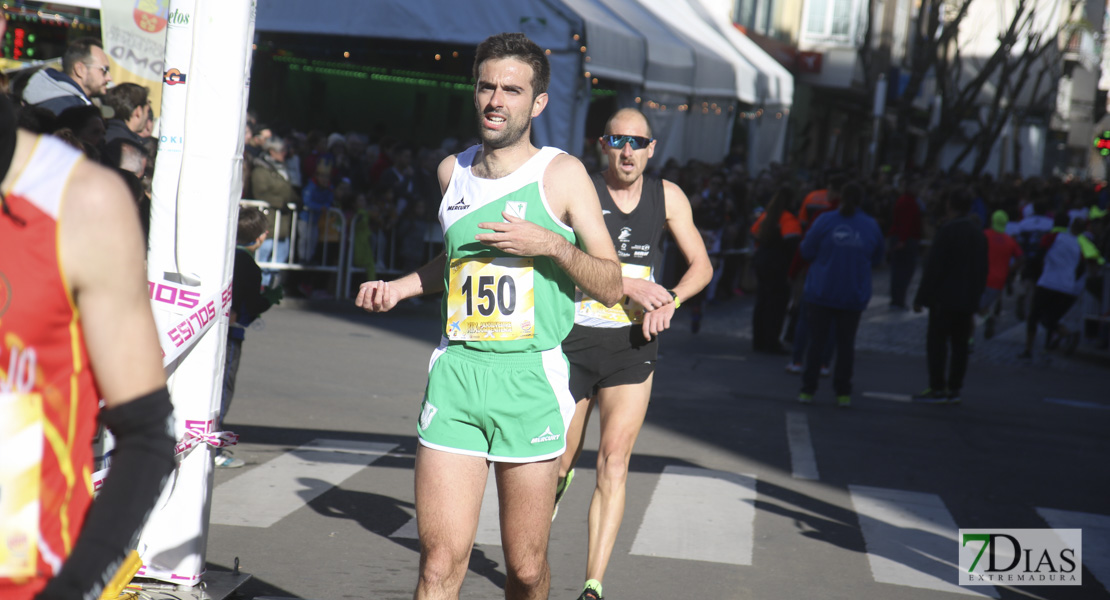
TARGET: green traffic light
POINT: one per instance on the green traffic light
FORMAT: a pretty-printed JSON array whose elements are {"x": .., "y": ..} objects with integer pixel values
[{"x": 31, "y": 38}]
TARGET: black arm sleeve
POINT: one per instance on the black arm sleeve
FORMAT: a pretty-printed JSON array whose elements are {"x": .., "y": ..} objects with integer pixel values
[{"x": 142, "y": 461}]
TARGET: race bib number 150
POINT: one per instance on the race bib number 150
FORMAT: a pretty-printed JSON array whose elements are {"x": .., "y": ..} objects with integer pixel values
[
  {"x": 20, "y": 476},
  {"x": 491, "y": 299}
]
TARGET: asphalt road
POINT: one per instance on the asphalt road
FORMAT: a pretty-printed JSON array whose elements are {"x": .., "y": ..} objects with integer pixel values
[{"x": 735, "y": 491}]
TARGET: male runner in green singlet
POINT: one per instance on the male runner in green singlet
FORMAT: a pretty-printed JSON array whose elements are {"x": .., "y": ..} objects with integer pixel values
[{"x": 514, "y": 217}]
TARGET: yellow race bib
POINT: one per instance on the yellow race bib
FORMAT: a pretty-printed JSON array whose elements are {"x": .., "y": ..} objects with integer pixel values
[
  {"x": 491, "y": 299},
  {"x": 625, "y": 311},
  {"x": 20, "y": 477}
]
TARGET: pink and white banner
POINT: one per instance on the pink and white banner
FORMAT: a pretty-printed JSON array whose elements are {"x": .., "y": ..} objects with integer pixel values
[{"x": 194, "y": 212}]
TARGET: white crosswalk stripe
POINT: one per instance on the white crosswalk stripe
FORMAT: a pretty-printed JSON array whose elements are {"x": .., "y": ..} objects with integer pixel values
[
  {"x": 803, "y": 462},
  {"x": 699, "y": 514},
  {"x": 910, "y": 539},
  {"x": 693, "y": 514},
  {"x": 267, "y": 493},
  {"x": 1096, "y": 538}
]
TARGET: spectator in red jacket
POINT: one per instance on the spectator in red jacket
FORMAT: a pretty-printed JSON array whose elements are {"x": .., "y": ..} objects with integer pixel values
[
  {"x": 1003, "y": 257},
  {"x": 905, "y": 239}
]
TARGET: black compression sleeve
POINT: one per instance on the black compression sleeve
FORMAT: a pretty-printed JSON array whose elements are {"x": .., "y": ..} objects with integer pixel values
[{"x": 141, "y": 462}]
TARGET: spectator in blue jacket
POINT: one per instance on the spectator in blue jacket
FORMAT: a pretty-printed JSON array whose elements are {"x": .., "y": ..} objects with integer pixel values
[
  {"x": 317, "y": 198},
  {"x": 842, "y": 247}
]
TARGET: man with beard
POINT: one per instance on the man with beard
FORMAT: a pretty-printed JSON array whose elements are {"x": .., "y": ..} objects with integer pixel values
[
  {"x": 514, "y": 217},
  {"x": 84, "y": 75},
  {"x": 612, "y": 351}
]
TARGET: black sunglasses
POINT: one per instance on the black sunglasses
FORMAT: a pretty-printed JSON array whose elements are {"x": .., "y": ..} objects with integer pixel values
[{"x": 618, "y": 141}]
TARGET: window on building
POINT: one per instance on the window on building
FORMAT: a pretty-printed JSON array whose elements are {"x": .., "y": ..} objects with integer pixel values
[
  {"x": 832, "y": 20},
  {"x": 755, "y": 15}
]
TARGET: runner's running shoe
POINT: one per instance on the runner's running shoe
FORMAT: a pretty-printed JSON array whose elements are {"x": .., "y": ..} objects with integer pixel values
[
  {"x": 931, "y": 396},
  {"x": 224, "y": 460},
  {"x": 561, "y": 490},
  {"x": 794, "y": 367},
  {"x": 844, "y": 401},
  {"x": 592, "y": 590},
  {"x": 805, "y": 398}
]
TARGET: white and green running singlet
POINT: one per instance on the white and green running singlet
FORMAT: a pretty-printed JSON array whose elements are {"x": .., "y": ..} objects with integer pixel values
[
  {"x": 498, "y": 385},
  {"x": 498, "y": 302}
]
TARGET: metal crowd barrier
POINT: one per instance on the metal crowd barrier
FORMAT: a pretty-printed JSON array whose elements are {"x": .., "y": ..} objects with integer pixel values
[
  {"x": 1099, "y": 310},
  {"x": 387, "y": 263},
  {"x": 318, "y": 264}
]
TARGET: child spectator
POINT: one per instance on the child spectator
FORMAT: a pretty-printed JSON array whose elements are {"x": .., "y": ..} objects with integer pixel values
[{"x": 248, "y": 301}]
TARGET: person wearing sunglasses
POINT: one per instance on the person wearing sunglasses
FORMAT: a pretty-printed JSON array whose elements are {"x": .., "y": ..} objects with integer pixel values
[
  {"x": 612, "y": 351},
  {"x": 85, "y": 75}
]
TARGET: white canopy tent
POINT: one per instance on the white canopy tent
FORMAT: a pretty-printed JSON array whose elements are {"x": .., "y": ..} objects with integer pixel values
[
  {"x": 615, "y": 51},
  {"x": 711, "y": 113},
  {"x": 775, "y": 87}
]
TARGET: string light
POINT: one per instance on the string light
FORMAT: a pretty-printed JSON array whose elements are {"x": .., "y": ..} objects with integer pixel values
[{"x": 62, "y": 19}]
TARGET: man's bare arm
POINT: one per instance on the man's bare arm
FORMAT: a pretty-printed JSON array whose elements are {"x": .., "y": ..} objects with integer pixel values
[
  {"x": 381, "y": 296},
  {"x": 103, "y": 256},
  {"x": 657, "y": 301}
]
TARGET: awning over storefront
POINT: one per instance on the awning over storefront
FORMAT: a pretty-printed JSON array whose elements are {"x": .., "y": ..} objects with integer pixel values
[
  {"x": 721, "y": 72},
  {"x": 671, "y": 57},
  {"x": 551, "y": 26},
  {"x": 775, "y": 85},
  {"x": 774, "y": 89},
  {"x": 670, "y": 61},
  {"x": 613, "y": 49}
]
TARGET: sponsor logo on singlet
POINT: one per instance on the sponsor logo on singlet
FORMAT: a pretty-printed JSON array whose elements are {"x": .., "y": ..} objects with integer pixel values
[{"x": 460, "y": 205}]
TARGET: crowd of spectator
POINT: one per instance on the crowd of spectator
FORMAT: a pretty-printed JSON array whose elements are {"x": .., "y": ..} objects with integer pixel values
[{"x": 387, "y": 191}]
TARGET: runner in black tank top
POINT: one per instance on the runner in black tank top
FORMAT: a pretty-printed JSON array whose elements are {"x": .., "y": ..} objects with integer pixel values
[{"x": 612, "y": 351}]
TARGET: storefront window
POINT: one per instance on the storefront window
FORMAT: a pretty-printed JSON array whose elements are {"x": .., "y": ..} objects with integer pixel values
[{"x": 831, "y": 20}]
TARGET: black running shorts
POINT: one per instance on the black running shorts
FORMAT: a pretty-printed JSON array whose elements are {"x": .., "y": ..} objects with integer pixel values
[
  {"x": 1049, "y": 306},
  {"x": 607, "y": 357}
]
